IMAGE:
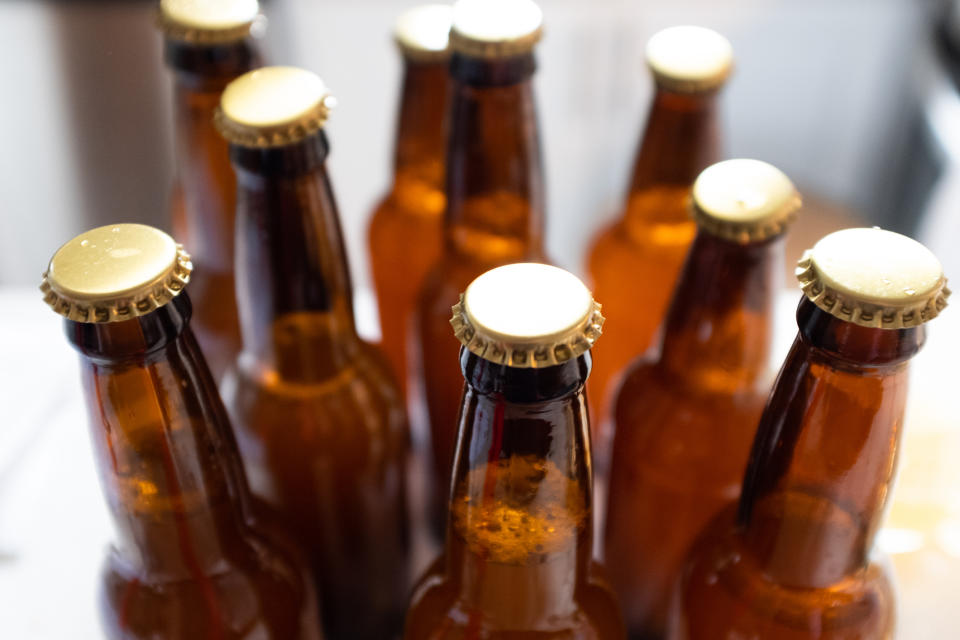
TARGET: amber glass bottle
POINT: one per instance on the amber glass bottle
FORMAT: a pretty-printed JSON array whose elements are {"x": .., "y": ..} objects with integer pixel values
[
  {"x": 494, "y": 190},
  {"x": 793, "y": 561},
  {"x": 206, "y": 45},
  {"x": 648, "y": 242},
  {"x": 320, "y": 420},
  {"x": 673, "y": 470},
  {"x": 189, "y": 561},
  {"x": 519, "y": 535},
  {"x": 406, "y": 228}
]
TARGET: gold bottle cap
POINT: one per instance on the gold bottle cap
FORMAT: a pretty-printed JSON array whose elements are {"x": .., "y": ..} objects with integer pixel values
[
  {"x": 527, "y": 315},
  {"x": 689, "y": 59},
  {"x": 874, "y": 278},
  {"x": 273, "y": 107},
  {"x": 744, "y": 200},
  {"x": 115, "y": 273},
  {"x": 423, "y": 32},
  {"x": 495, "y": 28},
  {"x": 207, "y": 21}
]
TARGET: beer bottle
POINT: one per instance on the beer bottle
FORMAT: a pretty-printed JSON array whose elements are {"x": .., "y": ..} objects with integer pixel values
[
  {"x": 206, "y": 45},
  {"x": 649, "y": 241},
  {"x": 685, "y": 417},
  {"x": 494, "y": 192},
  {"x": 519, "y": 534},
  {"x": 188, "y": 561},
  {"x": 405, "y": 231},
  {"x": 319, "y": 418},
  {"x": 793, "y": 561}
]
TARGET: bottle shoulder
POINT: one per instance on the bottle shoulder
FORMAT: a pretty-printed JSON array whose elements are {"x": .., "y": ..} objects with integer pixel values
[
  {"x": 257, "y": 586},
  {"x": 722, "y": 589},
  {"x": 250, "y": 384}
]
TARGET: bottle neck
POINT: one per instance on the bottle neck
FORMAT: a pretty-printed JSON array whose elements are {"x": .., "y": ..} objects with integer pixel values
[
  {"x": 168, "y": 463},
  {"x": 494, "y": 181},
  {"x": 719, "y": 329},
  {"x": 203, "y": 166},
  {"x": 825, "y": 454},
  {"x": 519, "y": 531},
  {"x": 294, "y": 294},
  {"x": 421, "y": 133},
  {"x": 681, "y": 139}
]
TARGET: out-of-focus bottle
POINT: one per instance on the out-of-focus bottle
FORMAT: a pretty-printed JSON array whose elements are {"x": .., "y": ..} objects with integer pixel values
[
  {"x": 494, "y": 192},
  {"x": 206, "y": 45},
  {"x": 633, "y": 264},
  {"x": 519, "y": 535},
  {"x": 406, "y": 228},
  {"x": 188, "y": 561},
  {"x": 319, "y": 418},
  {"x": 685, "y": 417},
  {"x": 793, "y": 561}
]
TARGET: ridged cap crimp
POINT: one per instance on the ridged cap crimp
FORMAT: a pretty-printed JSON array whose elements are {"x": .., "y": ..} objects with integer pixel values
[
  {"x": 494, "y": 29},
  {"x": 744, "y": 201},
  {"x": 423, "y": 32},
  {"x": 527, "y": 315},
  {"x": 207, "y": 22},
  {"x": 689, "y": 59},
  {"x": 874, "y": 278},
  {"x": 273, "y": 107},
  {"x": 115, "y": 273}
]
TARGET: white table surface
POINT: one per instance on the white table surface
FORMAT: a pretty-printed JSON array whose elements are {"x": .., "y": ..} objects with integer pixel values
[{"x": 54, "y": 526}]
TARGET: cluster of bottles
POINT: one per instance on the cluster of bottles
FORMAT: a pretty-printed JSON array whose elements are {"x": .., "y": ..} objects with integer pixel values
[{"x": 258, "y": 510}]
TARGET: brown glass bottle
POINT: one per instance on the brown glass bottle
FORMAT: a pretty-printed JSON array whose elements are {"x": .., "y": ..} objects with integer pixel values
[
  {"x": 519, "y": 535},
  {"x": 319, "y": 418},
  {"x": 494, "y": 216},
  {"x": 203, "y": 61},
  {"x": 406, "y": 227},
  {"x": 793, "y": 560},
  {"x": 188, "y": 561},
  {"x": 686, "y": 415},
  {"x": 648, "y": 242}
]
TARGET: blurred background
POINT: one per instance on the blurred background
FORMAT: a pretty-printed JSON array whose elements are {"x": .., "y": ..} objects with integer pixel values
[
  {"x": 856, "y": 100},
  {"x": 852, "y": 99}
]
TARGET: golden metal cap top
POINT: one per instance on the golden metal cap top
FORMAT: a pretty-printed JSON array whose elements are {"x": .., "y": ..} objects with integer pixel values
[
  {"x": 423, "y": 32},
  {"x": 273, "y": 107},
  {"x": 495, "y": 28},
  {"x": 527, "y": 315},
  {"x": 744, "y": 200},
  {"x": 874, "y": 278},
  {"x": 115, "y": 273},
  {"x": 689, "y": 59},
  {"x": 207, "y": 21}
]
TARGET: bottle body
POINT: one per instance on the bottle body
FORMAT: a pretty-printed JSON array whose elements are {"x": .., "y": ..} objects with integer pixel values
[
  {"x": 406, "y": 228},
  {"x": 320, "y": 421},
  {"x": 189, "y": 560},
  {"x": 203, "y": 197},
  {"x": 518, "y": 557},
  {"x": 494, "y": 216},
  {"x": 330, "y": 457},
  {"x": 794, "y": 559},
  {"x": 650, "y": 239},
  {"x": 685, "y": 420}
]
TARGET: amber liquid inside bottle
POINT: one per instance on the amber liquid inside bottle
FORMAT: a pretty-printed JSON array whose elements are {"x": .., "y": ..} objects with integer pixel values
[
  {"x": 685, "y": 420},
  {"x": 203, "y": 199},
  {"x": 634, "y": 263},
  {"x": 188, "y": 560},
  {"x": 319, "y": 418},
  {"x": 519, "y": 536},
  {"x": 793, "y": 561},
  {"x": 494, "y": 216},
  {"x": 406, "y": 229}
]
